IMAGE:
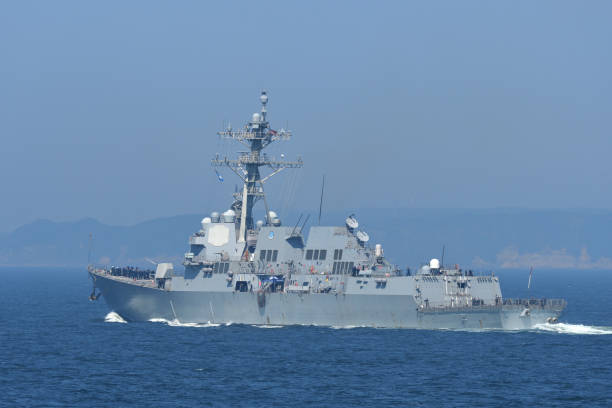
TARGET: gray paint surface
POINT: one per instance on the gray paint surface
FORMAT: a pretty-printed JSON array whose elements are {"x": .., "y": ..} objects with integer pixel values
[{"x": 240, "y": 271}]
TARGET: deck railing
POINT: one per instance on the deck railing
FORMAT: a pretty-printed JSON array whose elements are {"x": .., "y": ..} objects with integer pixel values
[
  {"x": 508, "y": 303},
  {"x": 532, "y": 303}
]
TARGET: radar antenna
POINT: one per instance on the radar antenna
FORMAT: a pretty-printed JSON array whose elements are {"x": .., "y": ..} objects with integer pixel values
[{"x": 256, "y": 136}]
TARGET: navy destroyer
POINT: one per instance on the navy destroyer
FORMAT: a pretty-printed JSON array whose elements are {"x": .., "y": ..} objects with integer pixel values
[{"x": 241, "y": 271}]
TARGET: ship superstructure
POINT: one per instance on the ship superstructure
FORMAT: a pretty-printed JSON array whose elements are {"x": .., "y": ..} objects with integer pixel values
[{"x": 241, "y": 271}]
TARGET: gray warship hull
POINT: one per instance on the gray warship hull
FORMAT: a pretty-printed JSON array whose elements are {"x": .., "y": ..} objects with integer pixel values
[
  {"x": 238, "y": 270},
  {"x": 135, "y": 301}
]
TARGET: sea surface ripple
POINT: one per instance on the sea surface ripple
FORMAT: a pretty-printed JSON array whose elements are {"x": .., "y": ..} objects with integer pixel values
[{"x": 61, "y": 350}]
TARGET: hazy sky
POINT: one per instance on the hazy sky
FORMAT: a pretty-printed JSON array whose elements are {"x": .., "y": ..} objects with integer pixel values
[{"x": 109, "y": 109}]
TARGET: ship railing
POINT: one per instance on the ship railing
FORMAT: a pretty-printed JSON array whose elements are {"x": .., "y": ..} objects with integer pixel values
[
  {"x": 535, "y": 303},
  {"x": 249, "y": 135},
  {"x": 133, "y": 275},
  {"x": 262, "y": 160},
  {"x": 456, "y": 308},
  {"x": 507, "y": 303}
]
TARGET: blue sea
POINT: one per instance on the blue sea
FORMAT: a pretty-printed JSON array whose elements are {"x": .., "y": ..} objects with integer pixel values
[{"x": 59, "y": 349}]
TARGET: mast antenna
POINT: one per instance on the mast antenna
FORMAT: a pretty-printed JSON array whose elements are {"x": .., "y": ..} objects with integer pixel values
[
  {"x": 297, "y": 223},
  {"x": 442, "y": 258},
  {"x": 321, "y": 202},
  {"x": 304, "y": 224},
  {"x": 256, "y": 136},
  {"x": 530, "y": 277}
]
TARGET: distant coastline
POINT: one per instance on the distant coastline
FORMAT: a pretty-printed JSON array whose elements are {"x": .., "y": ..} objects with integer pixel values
[{"x": 478, "y": 238}]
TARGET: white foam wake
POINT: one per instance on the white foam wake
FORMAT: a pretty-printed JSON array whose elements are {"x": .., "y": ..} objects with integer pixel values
[
  {"x": 267, "y": 326},
  {"x": 114, "y": 317},
  {"x": 566, "y": 328},
  {"x": 177, "y": 323}
]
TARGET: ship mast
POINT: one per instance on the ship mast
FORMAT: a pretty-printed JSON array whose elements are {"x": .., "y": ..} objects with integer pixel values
[{"x": 256, "y": 136}]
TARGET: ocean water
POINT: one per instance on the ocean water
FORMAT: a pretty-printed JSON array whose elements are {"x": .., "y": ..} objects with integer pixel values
[{"x": 59, "y": 349}]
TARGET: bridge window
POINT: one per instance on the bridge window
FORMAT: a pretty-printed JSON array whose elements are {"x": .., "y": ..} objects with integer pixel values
[
  {"x": 274, "y": 255},
  {"x": 262, "y": 254},
  {"x": 269, "y": 255},
  {"x": 316, "y": 254},
  {"x": 221, "y": 267},
  {"x": 341, "y": 268},
  {"x": 337, "y": 254}
]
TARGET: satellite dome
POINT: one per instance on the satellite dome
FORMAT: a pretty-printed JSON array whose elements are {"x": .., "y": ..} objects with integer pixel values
[
  {"x": 351, "y": 222},
  {"x": 424, "y": 270},
  {"x": 214, "y": 216},
  {"x": 362, "y": 236},
  {"x": 272, "y": 214},
  {"x": 256, "y": 118},
  {"x": 434, "y": 264},
  {"x": 229, "y": 216},
  {"x": 259, "y": 223},
  {"x": 205, "y": 220}
]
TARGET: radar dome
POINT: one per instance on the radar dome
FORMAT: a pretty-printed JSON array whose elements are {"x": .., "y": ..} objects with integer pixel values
[
  {"x": 362, "y": 236},
  {"x": 259, "y": 223},
  {"x": 214, "y": 216},
  {"x": 263, "y": 98},
  {"x": 434, "y": 264},
  {"x": 205, "y": 220},
  {"x": 229, "y": 216},
  {"x": 256, "y": 118},
  {"x": 351, "y": 222},
  {"x": 272, "y": 214}
]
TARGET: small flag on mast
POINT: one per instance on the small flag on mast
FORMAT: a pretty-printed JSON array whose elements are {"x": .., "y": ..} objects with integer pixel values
[{"x": 220, "y": 177}]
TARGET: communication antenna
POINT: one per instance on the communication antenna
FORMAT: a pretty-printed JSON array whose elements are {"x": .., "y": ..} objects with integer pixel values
[
  {"x": 268, "y": 220},
  {"x": 442, "y": 257},
  {"x": 321, "y": 202},
  {"x": 304, "y": 224},
  {"x": 530, "y": 277},
  {"x": 256, "y": 136},
  {"x": 297, "y": 223}
]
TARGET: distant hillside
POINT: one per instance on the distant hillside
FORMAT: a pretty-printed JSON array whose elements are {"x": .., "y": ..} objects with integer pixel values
[
  {"x": 497, "y": 238},
  {"x": 67, "y": 243}
]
